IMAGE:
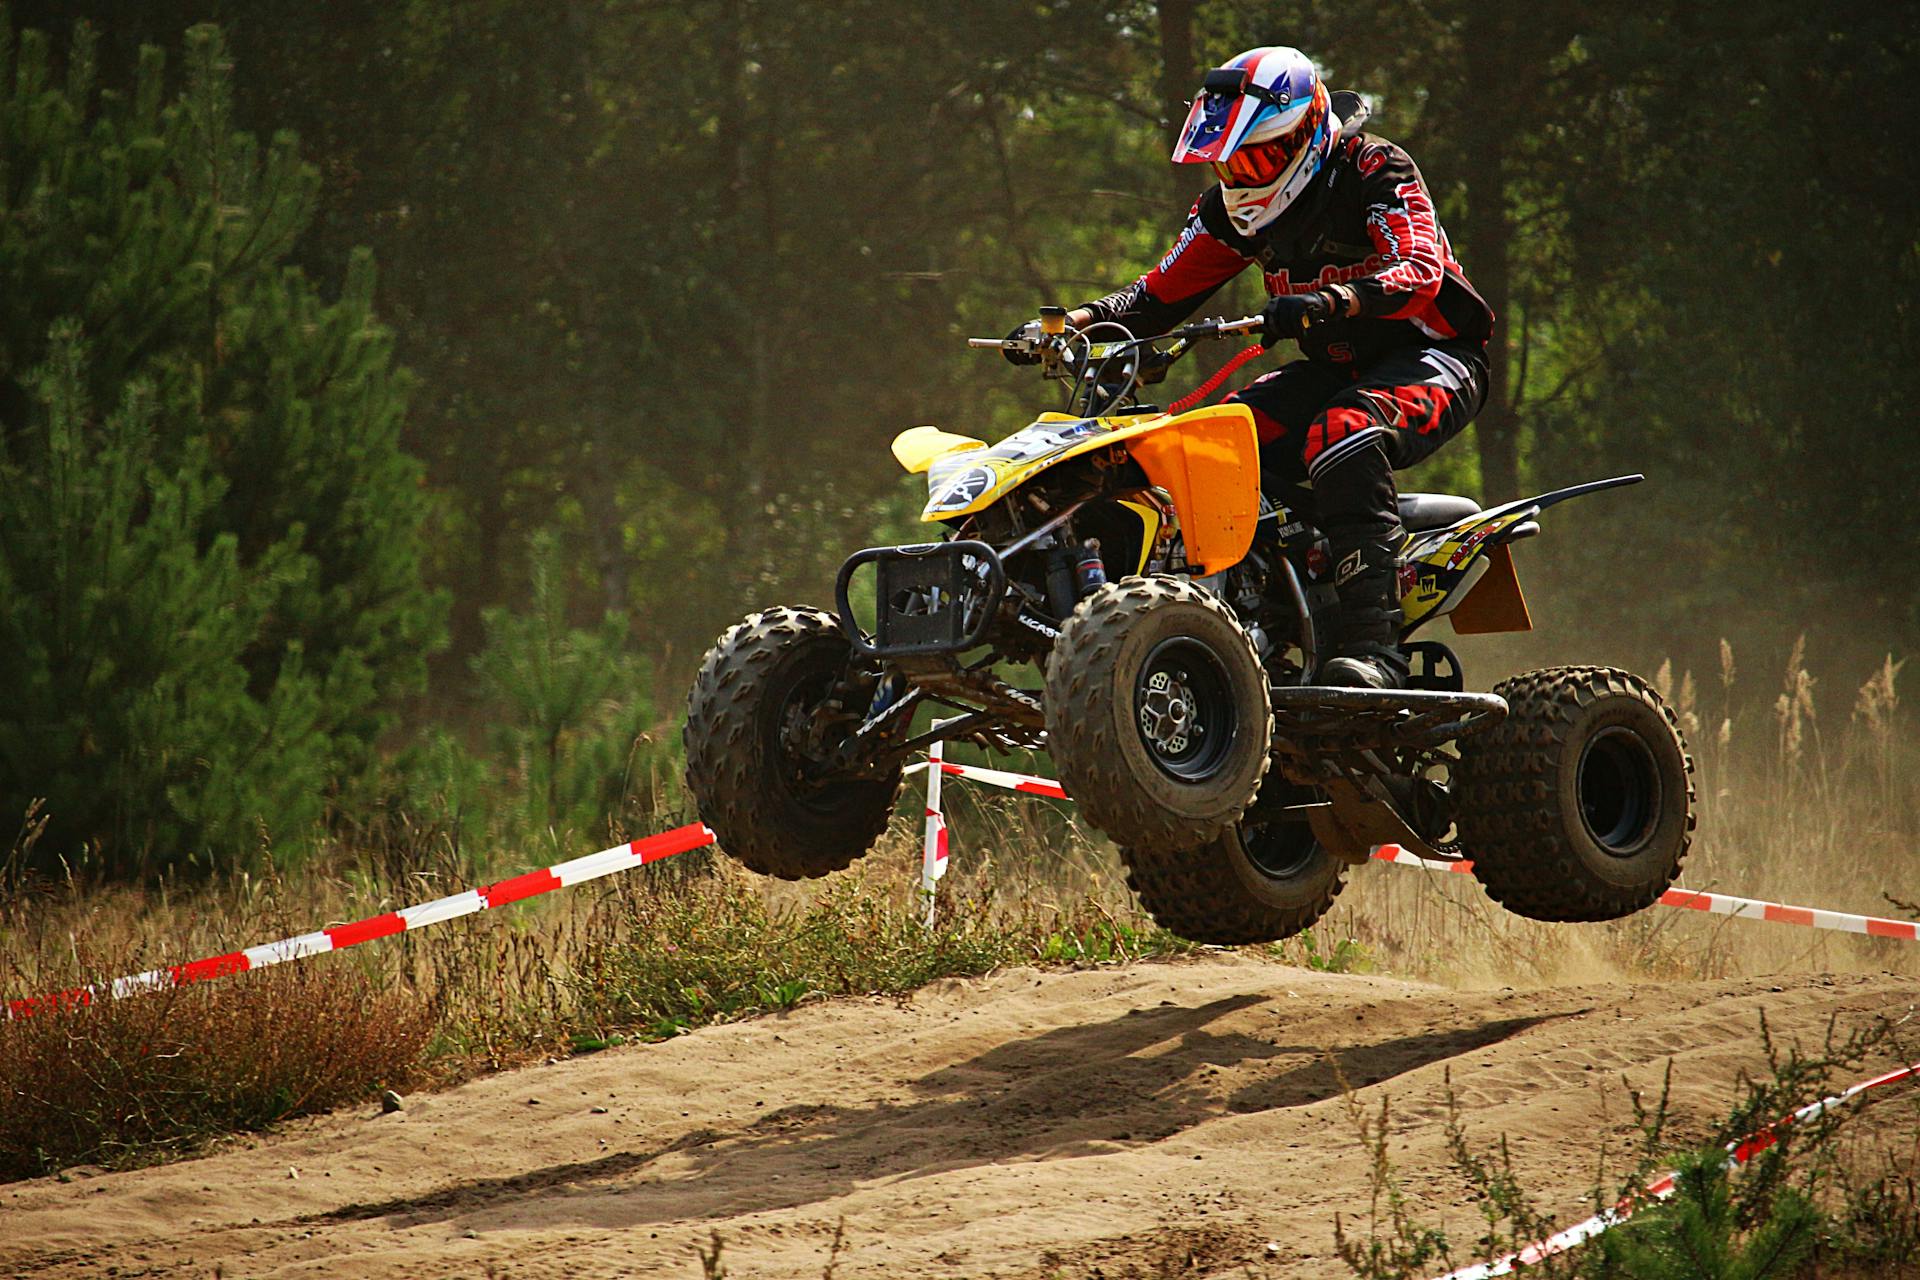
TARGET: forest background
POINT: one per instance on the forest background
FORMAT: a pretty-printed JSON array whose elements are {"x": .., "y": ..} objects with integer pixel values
[{"x": 291, "y": 547}]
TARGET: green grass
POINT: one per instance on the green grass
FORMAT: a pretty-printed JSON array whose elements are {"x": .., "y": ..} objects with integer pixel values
[{"x": 710, "y": 951}]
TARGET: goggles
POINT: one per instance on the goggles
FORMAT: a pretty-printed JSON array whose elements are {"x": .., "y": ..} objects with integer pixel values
[{"x": 1258, "y": 163}]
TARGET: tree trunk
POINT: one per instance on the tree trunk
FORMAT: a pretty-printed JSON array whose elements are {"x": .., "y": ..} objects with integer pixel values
[
  {"x": 606, "y": 455},
  {"x": 1177, "y": 85},
  {"x": 743, "y": 497},
  {"x": 1489, "y": 236}
]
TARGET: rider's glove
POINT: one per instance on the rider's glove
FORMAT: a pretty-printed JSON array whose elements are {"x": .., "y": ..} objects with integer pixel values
[
  {"x": 1030, "y": 331},
  {"x": 1291, "y": 314}
]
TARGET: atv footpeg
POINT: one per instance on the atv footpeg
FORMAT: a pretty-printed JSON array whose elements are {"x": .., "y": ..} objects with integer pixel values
[{"x": 1340, "y": 719}]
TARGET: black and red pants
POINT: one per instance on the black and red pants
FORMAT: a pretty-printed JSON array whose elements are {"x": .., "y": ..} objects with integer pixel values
[{"x": 1348, "y": 430}]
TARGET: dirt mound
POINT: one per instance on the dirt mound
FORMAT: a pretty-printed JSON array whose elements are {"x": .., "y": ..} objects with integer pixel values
[{"x": 1133, "y": 1121}]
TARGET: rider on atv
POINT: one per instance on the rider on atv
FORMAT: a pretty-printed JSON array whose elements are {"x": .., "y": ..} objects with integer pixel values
[{"x": 1360, "y": 273}]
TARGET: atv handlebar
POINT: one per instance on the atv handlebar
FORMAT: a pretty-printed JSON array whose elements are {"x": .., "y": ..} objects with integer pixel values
[
  {"x": 1103, "y": 376},
  {"x": 1187, "y": 333},
  {"x": 1218, "y": 328}
]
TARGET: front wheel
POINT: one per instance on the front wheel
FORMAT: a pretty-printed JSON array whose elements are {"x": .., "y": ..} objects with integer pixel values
[
  {"x": 1579, "y": 805},
  {"x": 1158, "y": 717},
  {"x": 764, "y": 699},
  {"x": 1263, "y": 879}
]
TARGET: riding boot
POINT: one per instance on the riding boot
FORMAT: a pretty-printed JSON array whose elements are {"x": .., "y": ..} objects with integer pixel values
[
  {"x": 1360, "y": 514},
  {"x": 1367, "y": 632}
]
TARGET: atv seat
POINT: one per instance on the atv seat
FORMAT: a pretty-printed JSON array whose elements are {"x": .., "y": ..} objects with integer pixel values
[{"x": 1420, "y": 511}]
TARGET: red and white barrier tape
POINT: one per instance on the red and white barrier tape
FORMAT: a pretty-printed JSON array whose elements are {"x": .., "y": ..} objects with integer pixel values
[
  {"x": 1663, "y": 1188},
  {"x": 558, "y": 876},
  {"x": 1717, "y": 903},
  {"x": 697, "y": 835},
  {"x": 933, "y": 865},
  {"x": 1001, "y": 778},
  {"x": 1723, "y": 904}
]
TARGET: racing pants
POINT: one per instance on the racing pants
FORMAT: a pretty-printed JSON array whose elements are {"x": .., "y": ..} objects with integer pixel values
[{"x": 1347, "y": 430}]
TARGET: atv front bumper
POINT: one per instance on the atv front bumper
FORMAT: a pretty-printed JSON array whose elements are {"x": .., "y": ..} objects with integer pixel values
[{"x": 930, "y": 598}]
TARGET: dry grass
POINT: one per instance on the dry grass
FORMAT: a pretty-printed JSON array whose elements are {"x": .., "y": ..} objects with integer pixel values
[
  {"x": 648, "y": 955},
  {"x": 129, "y": 1081},
  {"x": 1794, "y": 808}
]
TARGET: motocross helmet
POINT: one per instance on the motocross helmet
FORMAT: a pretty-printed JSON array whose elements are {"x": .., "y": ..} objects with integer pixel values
[{"x": 1263, "y": 120}]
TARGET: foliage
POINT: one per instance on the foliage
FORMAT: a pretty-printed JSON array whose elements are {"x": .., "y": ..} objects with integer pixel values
[
  {"x": 573, "y": 705},
  {"x": 128, "y": 698},
  {"x": 1700, "y": 1237},
  {"x": 212, "y": 628}
]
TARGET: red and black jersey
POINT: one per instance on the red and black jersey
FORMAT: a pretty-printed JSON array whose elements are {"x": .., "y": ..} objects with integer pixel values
[{"x": 1369, "y": 224}]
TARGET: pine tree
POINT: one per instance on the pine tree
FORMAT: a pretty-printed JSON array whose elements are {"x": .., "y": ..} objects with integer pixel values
[
  {"x": 575, "y": 703},
  {"x": 1707, "y": 1232},
  {"x": 210, "y": 597}
]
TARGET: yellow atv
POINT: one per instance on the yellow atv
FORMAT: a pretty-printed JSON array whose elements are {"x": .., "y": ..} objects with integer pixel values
[{"x": 1175, "y": 613}]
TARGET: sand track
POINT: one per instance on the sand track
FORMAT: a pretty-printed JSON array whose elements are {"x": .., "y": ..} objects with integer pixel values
[{"x": 1157, "y": 1119}]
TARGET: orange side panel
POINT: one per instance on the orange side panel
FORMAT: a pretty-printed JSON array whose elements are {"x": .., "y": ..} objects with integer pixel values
[
  {"x": 1496, "y": 602},
  {"x": 1209, "y": 462}
]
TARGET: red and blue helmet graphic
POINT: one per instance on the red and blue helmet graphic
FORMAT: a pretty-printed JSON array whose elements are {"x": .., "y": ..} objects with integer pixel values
[{"x": 1261, "y": 94}]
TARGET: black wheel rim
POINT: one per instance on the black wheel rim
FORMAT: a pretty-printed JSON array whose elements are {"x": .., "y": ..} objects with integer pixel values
[
  {"x": 1278, "y": 850},
  {"x": 1183, "y": 709},
  {"x": 1619, "y": 790},
  {"x": 805, "y": 699}
]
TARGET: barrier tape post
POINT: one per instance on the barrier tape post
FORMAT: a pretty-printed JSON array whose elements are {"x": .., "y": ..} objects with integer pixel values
[{"x": 933, "y": 854}]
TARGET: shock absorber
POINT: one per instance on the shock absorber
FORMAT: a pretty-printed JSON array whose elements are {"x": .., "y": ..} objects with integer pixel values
[
  {"x": 1089, "y": 571},
  {"x": 1060, "y": 587}
]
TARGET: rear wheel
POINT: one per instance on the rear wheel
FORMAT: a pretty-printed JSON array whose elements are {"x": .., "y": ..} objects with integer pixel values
[
  {"x": 1579, "y": 805},
  {"x": 760, "y": 710},
  {"x": 1158, "y": 717},
  {"x": 1262, "y": 879}
]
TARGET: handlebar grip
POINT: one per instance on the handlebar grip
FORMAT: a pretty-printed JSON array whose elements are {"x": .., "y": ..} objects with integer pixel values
[{"x": 997, "y": 344}]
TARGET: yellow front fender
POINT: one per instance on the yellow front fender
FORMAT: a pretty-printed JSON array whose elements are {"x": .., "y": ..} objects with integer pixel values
[
  {"x": 1208, "y": 461},
  {"x": 916, "y": 448}
]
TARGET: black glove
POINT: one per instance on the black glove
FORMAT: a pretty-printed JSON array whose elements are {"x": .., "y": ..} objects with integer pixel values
[
  {"x": 1020, "y": 357},
  {"x": 1291, "y": 314}
]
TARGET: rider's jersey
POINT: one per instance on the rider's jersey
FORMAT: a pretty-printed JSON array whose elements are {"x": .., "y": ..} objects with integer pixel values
[{"x": 1369, "y": 224}]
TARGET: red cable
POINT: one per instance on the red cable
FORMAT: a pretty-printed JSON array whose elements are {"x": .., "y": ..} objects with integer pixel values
[{"x": 1206, "y": 388}]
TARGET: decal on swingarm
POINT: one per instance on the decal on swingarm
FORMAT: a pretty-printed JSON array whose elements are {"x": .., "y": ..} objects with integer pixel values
[{"x": 1033, "y": 622}]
